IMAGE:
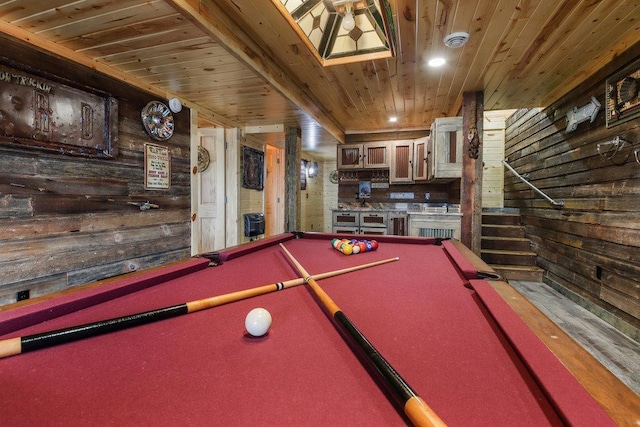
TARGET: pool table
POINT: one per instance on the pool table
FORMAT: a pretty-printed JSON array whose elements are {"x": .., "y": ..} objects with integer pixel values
[{"x": 433, "y": 314}]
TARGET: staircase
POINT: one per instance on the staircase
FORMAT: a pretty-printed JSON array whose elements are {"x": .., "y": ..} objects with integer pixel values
[{"x": 506, "y": 249}]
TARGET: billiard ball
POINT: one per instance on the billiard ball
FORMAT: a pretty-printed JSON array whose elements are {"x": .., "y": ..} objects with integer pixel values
[
  {"x": 374, "y": 244},
  {"x": 258, "y": 322},
  {"x": 346, "y": 249}
]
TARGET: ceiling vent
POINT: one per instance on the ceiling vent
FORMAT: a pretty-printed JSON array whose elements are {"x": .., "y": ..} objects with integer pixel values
[{"x": 455, "y": 40}]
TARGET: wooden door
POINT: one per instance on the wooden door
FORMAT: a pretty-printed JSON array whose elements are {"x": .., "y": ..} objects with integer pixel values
[
  {"x": 209, "y": 193},
  {"x": 492, "y": 155},
  {"x": 274, "y": 187}
]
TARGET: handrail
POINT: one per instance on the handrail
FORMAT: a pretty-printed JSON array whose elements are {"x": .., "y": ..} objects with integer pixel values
[{"x": 559, "y": 204}]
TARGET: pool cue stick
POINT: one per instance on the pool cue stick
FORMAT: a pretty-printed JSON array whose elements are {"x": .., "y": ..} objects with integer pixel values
[
  {"x": 18, "y": 345},
  {"x": 413, "y": 406}
]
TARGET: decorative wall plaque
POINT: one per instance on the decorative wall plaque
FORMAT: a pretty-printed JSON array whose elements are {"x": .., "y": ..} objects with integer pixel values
[
  {"x": 40, "y": 113},
  {"x": 157, "y": 120},
  {"x": 252, "y": 168},
  {"x": 157, "y": 167},
  {"x": 303, "y": 174},
  {"x": 623, "y": 95}
]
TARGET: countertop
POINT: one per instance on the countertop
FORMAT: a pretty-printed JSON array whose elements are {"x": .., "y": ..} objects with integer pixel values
[{"x": 402, "y": 208}]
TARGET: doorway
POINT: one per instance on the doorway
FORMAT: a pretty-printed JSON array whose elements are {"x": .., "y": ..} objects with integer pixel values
[{"x": 274, "y": 187}]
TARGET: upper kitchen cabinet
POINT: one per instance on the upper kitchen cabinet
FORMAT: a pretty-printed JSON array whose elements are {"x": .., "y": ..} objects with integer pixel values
[
  {"x": 401, "y": 168},
  {"x": 420, "y": 158},
  {"x": 373, "y": 155},
  {"x": 445, "y": 152}
]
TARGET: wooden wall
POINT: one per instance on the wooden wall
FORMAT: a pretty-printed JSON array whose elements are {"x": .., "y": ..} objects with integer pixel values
[
  {"x": 330, "y": 192},
  {"x": 67, "y": 222},
  {"x": 591, "y": 248},
  {"x": 312, "y": 200}
]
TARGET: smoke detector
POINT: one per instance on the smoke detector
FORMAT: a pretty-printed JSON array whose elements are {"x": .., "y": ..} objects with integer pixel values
[{"x": 455, "y": 40}]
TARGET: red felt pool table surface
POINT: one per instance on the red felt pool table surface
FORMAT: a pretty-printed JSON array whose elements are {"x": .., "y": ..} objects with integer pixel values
[{"x": 444, "y": 329}]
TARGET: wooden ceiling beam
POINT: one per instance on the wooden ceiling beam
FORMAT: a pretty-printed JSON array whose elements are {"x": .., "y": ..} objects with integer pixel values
[
  {"x": 216, "y": 22},
  {"x": 47, "y": 46}
]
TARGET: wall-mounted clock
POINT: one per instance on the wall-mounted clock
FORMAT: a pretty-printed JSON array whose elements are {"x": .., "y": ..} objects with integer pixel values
[{"x": 157, "y": 120}]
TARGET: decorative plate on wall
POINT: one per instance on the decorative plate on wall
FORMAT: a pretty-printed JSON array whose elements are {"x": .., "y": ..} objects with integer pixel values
[
  {"x": 333, "y": 176},
  {"x": 203, "y": 159},
  {"x": 157, "y": 120}
]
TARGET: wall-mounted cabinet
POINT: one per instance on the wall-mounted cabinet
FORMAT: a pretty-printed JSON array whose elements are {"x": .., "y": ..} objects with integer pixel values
[
  {"x": 409, "y": 161},
  {"x": 401, "y": 168},
  {"x": 420, "y": 158},
  {"x": 445, "y": 152},
  {"x": 374, "y": 155}
]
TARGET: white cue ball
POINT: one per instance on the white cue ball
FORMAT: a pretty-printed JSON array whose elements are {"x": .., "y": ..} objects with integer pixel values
[{"x": 258, "y": 322}]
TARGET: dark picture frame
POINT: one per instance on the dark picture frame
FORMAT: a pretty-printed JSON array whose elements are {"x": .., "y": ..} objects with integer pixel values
[
  {"x": 252, "y": 168},
  {"x": 623, "y": 95},
  {"x": 303, "y": 174}
]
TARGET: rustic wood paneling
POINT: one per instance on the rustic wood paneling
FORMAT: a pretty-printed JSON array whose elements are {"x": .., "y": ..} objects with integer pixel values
[
  {"x": 591, "y": 246},
  {"x": 67, "y": 220}
]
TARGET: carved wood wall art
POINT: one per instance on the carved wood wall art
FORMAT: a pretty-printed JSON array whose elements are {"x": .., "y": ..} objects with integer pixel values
[
  {"x": 252, "y": 168},
  {"x": 38, "y": 113},
  {"x": 623, "y": 95}
]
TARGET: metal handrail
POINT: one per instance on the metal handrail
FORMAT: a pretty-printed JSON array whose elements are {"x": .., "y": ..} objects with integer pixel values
[{"x": 559, "y": 204}]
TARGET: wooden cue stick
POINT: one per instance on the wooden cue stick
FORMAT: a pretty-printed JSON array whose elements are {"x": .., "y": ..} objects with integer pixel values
[
  {"x": 18, "y": 345},
  {"x": 413, "y": 406}
]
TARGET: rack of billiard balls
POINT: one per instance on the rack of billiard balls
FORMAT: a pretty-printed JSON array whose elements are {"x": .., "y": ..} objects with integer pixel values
[{"x": 353, "y": 246}]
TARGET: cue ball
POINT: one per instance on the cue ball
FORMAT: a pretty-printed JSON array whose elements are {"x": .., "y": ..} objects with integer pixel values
[{"x": 258, "y": 322}]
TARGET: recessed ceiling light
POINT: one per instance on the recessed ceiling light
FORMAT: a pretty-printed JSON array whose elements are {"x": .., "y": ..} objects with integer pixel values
[
  {"x": 436, "y": 62},
  {"x": 393, "y": 119}
]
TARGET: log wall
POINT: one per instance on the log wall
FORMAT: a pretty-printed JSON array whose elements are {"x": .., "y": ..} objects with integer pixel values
[
  {"x": 590, "y": 249},
  {"x": 66, "y": 221}
]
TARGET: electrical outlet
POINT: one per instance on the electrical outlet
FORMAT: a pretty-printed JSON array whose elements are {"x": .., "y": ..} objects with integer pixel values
[{"x": 22, "y": 295}]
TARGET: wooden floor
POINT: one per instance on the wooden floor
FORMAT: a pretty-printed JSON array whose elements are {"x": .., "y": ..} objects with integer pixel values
[{"x": 617, "y": 352}]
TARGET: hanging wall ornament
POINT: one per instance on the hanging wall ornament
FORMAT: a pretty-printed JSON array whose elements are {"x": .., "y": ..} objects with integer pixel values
[
  {"x": 474, "y": 139},
  {"x": 578, "y": 115},
  {"x": 474, "y": 143}
]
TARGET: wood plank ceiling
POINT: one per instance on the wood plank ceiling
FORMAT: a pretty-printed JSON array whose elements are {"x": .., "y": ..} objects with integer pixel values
[{"x": 240, "y": 64}]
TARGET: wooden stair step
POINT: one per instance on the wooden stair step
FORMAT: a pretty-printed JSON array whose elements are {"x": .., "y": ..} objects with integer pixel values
[
  {"x": 519, "y": 272},
  {"x": 506, "y": 257},
  {"x": 505, "y": 243},
  {"x": 497, "y": 230},
  {"x": 500, "y": 218}
]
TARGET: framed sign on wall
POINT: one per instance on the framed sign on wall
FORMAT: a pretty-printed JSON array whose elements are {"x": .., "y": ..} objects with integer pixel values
[{"x": 157, "y": 167}]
